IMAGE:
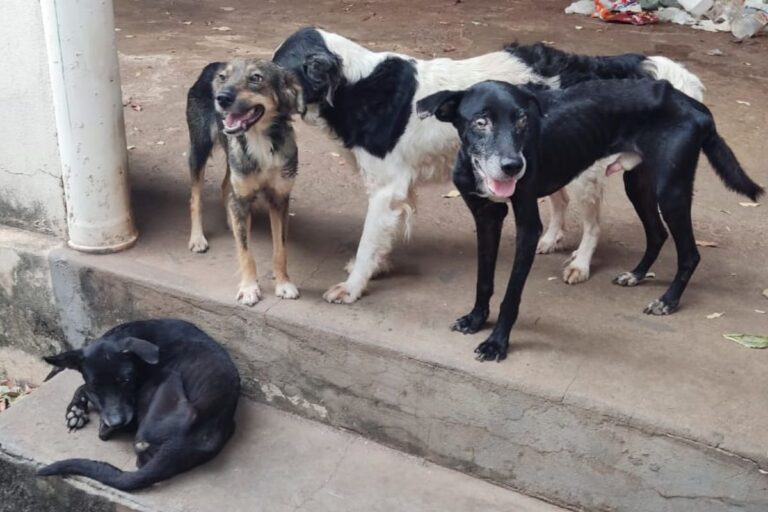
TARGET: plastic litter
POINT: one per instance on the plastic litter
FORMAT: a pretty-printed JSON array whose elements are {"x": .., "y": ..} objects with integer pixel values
[
  {"x": 583, "y": 7},
  {"x": 751, "y": 21}
]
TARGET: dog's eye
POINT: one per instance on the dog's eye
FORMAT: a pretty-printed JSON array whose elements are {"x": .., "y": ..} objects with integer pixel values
[
  {"x": 481, "y": 122},
  {"x": 222, "y": 76},
  {"x": 256, "y": 78}
]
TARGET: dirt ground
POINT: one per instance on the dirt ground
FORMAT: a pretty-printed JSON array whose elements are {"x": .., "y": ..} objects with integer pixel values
[{"x": 589, "y": 342}]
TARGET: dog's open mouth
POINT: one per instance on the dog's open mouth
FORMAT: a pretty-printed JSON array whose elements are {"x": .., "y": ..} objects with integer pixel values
[
  {"x": 499, "y": 188},
  {"x": 238, "y": 123}
]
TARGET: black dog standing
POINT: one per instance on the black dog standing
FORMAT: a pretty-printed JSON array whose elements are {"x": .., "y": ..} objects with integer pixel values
[
  {"x": 167, "y": 380},
  {"x": 511, "y": 149}
]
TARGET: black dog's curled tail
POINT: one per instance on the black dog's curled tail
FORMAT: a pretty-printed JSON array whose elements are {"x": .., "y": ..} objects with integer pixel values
[
  {"x": 728, "y": 167},
  {"x": 101, "y": 472}
]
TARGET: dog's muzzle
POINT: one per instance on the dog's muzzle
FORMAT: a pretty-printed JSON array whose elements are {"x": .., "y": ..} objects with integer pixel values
[{"x": 235, "y": 124}]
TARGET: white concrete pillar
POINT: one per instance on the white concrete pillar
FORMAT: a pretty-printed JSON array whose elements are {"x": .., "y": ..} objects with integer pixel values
[{"x": 85, "y": 77}]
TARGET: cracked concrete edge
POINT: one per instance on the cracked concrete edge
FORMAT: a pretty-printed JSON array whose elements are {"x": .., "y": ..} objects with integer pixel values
[
  {"x": 565, "y": 454},
  {"x": 21, "y": 489}
]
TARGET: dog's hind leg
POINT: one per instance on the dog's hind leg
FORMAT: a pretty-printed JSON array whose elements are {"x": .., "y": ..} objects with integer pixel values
[
  {"x": 489, "y": 219},
  {"x": 639, "y": 189},
  {"x": 239, "y": 209},
  {"x": 278, "y": 219},
  {"x": 200, "y": 147},
  {"x": 588, "y": 190},
  {"x": 553, "y": 237},
  {"x": 675, "y": 205}
]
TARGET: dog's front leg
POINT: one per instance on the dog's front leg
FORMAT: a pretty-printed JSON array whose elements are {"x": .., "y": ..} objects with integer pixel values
[
  {"x": 529, "y": 228},
  {"x": 489, "y": 219},
  {"x": 77, "y": 410},
  {"x": 386, "y": 205},
  {"x": 239, "y": 211}
]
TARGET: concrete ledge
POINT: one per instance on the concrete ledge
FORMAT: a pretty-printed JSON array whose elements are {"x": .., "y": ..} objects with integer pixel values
[
  {"x": 423, "y": 395},
  {"x": 276, "y": 462}
]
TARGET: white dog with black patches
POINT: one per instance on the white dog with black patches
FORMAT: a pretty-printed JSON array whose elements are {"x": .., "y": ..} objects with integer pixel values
[{"x": 366, "y": 100}]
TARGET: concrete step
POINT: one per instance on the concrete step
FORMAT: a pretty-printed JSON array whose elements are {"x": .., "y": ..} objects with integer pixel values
[
  {"x": 277, "y": 462},
  {"x": 598, "y": 407}
]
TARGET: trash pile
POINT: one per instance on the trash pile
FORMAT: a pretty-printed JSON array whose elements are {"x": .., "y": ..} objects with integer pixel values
[{"x": 743, "y": 18}]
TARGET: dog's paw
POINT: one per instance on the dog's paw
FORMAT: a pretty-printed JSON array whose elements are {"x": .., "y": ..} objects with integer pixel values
[
  {"x": 287, "y": 290},
  {"x": 383, "y": 266},
  {"x": 470, "y": 323},
  {"x": 574, "y": 272},
  {"x": 198, "y": 244},
  {"x": 660, "y": 308},
  {"x": 550, "y": 243},
  {"x": 249, "y": 294},
  {"x": 627, "y": 279},
  {"x": 76, "y": 417},
  {"x": 340, "y": 294},
  {"x": 492, "y": 350}
]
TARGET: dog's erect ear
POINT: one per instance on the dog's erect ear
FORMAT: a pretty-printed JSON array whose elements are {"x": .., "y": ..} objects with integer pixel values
[
  {"x": 442, "y": 105},
  {"x": 71, "y": 359},
  {"x": 533, "y": 96},
  {"x": 294, "y": 93},
  {"x": 323, "y": 71},
  {"x": 144, "y": 350}
]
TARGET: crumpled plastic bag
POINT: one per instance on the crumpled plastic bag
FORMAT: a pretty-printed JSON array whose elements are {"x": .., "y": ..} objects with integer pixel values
[{"x": 624, "y": 11}]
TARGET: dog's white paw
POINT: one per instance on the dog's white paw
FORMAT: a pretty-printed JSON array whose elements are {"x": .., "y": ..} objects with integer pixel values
[
  {"x": 574, "y": 273},
  {"x": 340, "y": 294},
  {"x": 249, "y": 294},
  {"x": 198, "y": 243},
  {"x": 626, "y": 279},
  {"x": 384, "y": 266},
  {"x": 550, "y": 242},
  {"x": 659, "y": 308},
  {"x": 287, "y": 290}
]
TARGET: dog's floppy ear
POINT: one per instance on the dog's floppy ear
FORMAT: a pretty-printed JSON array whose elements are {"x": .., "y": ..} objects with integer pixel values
[
  {"x": 71, "y": 359},
  {"x": 294, "y": 93},
  {"x": 323, "y": 71},
  {"x": 144, "y": 350},
  {"x": 441, "y": 104},
  {"x": 533, "y": 96}
]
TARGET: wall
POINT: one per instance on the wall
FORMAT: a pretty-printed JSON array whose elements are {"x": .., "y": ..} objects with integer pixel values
[{"x": 31, "y": 195}]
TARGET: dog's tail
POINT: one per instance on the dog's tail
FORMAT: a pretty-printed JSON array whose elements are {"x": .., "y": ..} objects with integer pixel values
[
  {"x": 662, "y": 68},
  {"x": 161, "y": 467},
  {"x": 728, "y": 167}
]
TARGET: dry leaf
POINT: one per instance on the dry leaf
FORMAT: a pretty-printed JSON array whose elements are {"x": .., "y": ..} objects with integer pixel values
[
  {"x": 130, "y": 147},
  {"x": 223, "y": 29},
  {"x": 136, "y": 107},
  {"x": 760, "y": 311},
  {"x": 335, "y": 154},
  {"x": 715, "y": 52},
  {"x": 186, "y": 22},
  {"x": 578, "y": 27},
  {"x": 129, "y": 36},
  {"x": 449, "y": 49},
  {"x": 228, "y": 9},
  {"x": 714, "y": 315},
  {"x": 726, "y": 212},
  {"x": 453, "y": 193},
  {"x": 746, "y": 103},
  {"x": 706, "y": 243},
  {"x": 551, "y": 278},
  {"x": 160, "y": 143},
  {"x": 748, "y": 340},
  {"x": 749, "y": 205}
]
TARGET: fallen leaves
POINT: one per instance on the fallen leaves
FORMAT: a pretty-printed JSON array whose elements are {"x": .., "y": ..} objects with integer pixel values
[
  {"x": 223, "y": 29},
  {"x": 748, "y": 340},
  {"x": 712, "y": 316},
  {"x": 453, "y": 193},
  {"x": 715, "y": 52},
  {"x": 749, "y": 205},
  {"x": 706, "y": 243},
  {"x": 745, "y": 103},
  {"x": 10, "y": 391}
]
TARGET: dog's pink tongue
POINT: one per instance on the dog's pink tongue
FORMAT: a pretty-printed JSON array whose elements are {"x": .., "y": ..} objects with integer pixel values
[
  {"x": 501, "y": 188},
  {"x": 233, "y": 120}
]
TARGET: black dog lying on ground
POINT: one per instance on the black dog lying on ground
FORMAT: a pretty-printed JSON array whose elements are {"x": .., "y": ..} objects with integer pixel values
[
  {"x": 525, "y": 143},
  {"x": 166, "y": 379}
]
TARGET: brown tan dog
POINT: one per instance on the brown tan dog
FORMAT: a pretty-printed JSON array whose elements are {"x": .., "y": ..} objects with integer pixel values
[{"x": 246, "y": 106}]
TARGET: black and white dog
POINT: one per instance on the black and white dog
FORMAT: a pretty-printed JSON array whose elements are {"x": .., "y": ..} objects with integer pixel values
[
  {"x": 167, "y": 380},
  {"x": 522, "y": 143},
  {"x": 366, "y": 100}
]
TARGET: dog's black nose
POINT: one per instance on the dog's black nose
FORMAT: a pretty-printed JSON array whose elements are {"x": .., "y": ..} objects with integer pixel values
[
  {"x": 511, "y": 165},
  {"x": 225, "y": 98}
]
